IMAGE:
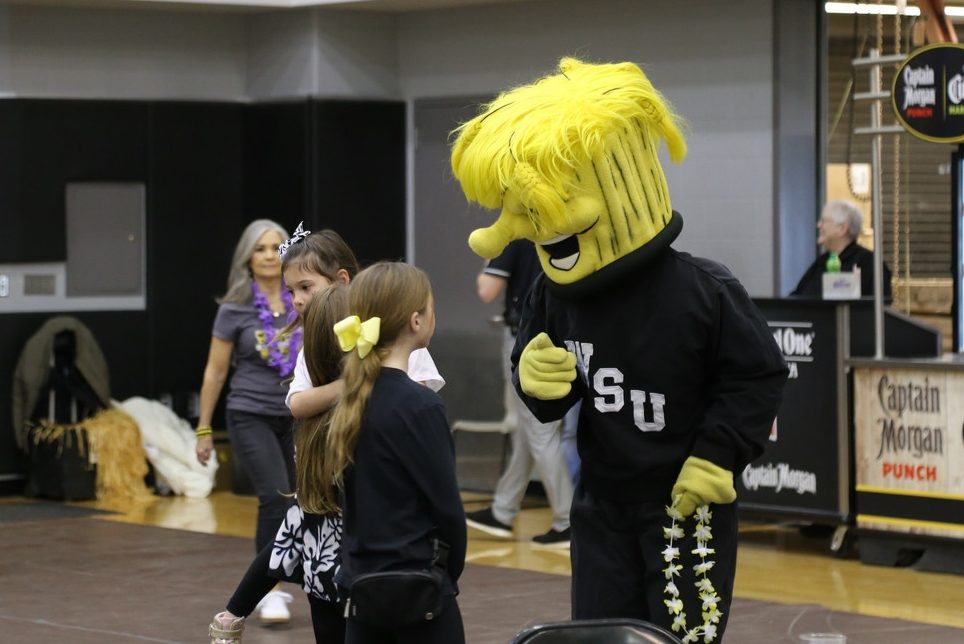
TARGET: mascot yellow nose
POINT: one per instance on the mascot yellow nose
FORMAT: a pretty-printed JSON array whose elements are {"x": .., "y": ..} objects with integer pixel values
[{"x": 490, "y": 242}]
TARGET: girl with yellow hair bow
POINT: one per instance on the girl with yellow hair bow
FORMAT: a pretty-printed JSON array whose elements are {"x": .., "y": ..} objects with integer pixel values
[{"x": 390, "y": 462}]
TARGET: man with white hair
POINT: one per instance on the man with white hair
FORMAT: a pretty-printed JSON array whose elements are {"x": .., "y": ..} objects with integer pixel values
[{"x": 837, "y": 231}]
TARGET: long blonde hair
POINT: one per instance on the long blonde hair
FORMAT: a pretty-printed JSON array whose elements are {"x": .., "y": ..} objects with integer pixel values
[
  {"x": 323, "y": 358},
  {"x": 239, "y": 275},
  {"x": 391, "y": 291}
]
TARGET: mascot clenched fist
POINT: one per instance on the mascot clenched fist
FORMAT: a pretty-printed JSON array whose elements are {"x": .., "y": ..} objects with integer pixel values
[{"x": 678, "y": 374}]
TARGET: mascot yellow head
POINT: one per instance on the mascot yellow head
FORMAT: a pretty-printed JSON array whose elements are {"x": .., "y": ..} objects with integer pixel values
[{"x": 572, "y": 161}]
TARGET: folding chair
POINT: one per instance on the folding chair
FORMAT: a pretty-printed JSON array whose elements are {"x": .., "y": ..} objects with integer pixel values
[
  {"x": 596, "y": 631},
  {"x": 506, "y": 426}
]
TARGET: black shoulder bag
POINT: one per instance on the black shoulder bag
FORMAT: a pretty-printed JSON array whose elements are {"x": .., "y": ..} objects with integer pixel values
[{"x": 398, "y": 598}]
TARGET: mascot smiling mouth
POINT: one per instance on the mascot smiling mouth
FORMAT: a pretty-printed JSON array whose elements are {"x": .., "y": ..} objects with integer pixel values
[{"x": 563, "y": 250}]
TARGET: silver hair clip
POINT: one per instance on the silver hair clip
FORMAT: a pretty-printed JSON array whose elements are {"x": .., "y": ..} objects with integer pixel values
[{"x": 299, "y": 234}]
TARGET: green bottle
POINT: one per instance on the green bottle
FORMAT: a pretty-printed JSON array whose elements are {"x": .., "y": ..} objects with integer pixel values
[{"x": 833, "y": 263}]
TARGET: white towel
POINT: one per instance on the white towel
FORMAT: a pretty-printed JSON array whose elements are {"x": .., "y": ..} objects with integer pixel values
[{"x": 169, "y": 442}]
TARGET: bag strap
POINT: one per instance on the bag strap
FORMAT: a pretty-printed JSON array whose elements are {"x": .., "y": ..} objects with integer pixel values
[{"x": 440, "y": 553}]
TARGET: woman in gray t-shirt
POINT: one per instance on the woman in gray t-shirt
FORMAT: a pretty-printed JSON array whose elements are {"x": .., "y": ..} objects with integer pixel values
[{"x": 246, "y": 338}]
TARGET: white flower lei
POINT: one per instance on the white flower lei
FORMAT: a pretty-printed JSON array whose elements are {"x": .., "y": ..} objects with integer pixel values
[{"x": 711, "y": 614}]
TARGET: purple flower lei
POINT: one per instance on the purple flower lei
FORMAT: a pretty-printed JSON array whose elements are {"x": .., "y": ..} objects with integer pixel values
[{"x": 281, "y": 353}]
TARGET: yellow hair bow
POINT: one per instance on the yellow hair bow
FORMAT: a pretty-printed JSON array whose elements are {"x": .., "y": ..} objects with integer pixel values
[{"x": 353, "y": 333}]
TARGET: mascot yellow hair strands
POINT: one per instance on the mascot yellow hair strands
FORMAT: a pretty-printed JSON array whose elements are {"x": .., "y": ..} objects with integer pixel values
[
  {"x": 574, "y": 154},
  {"x": 677, "y": 372}
]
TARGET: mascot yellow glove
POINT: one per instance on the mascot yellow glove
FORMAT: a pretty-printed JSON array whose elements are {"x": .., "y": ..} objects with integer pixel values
[
  {"x": 702, "y": 482},
  {"x": 545, "y": 370}
]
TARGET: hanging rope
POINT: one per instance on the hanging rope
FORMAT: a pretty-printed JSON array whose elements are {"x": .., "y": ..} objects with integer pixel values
[
  {"x": 848, "y": 96},
  {"x": 880, "y": 30},
  {"x": 896, "y": 241}
]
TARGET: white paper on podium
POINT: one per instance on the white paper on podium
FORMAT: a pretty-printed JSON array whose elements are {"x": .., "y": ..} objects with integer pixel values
[{"x": 841, "y": 286}]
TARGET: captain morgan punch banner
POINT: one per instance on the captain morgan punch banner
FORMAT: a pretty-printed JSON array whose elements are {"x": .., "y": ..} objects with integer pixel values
[
  {"x": 928, "y": 93},
  {"x": 909, "y": 449}
]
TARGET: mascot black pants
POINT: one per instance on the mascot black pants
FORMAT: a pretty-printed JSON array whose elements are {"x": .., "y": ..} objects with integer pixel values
[{"x": 617, "y": 560}]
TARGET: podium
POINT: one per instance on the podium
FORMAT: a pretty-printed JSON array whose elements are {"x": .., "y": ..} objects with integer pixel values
[{"x": 807, "y": 470}]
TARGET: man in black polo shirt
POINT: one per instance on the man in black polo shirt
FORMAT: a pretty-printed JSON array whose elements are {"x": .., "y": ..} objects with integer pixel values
[{"x": 535, "y": 445}]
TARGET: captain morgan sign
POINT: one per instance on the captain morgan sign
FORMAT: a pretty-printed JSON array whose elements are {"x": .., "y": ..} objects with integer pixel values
[
  {"x": 928, "y": 93},
  {"x": 909, "y": 439}
]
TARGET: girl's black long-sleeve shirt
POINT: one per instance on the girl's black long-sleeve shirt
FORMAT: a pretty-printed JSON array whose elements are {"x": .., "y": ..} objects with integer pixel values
[{"x": 401, "y": 490}]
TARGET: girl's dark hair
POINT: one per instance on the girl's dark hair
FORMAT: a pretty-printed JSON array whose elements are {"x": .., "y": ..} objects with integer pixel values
[
  {"x": 323, "y": 252},
  {"x": 323, "y": 357}
]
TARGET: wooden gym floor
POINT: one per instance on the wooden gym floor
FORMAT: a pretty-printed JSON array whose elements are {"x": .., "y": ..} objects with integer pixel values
[
  {"x": 122, "y": 577},
  {"x": 776, "y": 563}
]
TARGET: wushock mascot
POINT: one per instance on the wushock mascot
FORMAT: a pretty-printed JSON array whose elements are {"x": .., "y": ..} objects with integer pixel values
[{"x": 678, "y": 374}]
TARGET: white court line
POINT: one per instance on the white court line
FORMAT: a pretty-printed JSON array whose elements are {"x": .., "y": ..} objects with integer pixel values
[{"x": 69, "y": 627}]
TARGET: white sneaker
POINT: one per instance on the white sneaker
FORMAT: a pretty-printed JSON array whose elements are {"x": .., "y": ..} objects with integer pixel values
[{"x": 273, "y": 609}]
